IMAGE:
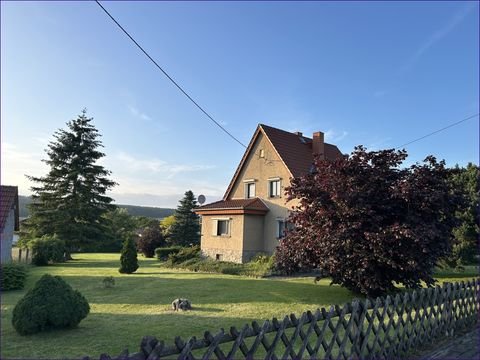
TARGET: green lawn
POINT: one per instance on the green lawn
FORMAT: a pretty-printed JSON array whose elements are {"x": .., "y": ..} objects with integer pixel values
[{"x": 139, "y": 305}]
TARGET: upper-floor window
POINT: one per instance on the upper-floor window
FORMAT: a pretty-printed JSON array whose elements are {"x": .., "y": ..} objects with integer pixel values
[
  {"x": 249, "y": 190},
  {"x": 274, "y": 188}
]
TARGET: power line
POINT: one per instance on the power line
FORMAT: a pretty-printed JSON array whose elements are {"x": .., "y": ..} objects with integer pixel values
[
  {"x": 437, "y": 131},
  {"x": 216, "y": 122},
  {"x": 168, "y": 76}
]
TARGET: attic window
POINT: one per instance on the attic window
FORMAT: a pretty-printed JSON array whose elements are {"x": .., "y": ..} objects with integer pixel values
[
  {"x": 262, "y": 153},
  {"x": 302, "y": 139}
]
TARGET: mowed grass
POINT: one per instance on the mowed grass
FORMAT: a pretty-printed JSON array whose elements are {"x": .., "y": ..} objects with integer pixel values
[{"x": 139, "y": 305}]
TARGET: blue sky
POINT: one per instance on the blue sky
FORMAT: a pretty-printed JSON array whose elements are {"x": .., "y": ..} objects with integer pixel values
[{"x": 373, "y": 73}]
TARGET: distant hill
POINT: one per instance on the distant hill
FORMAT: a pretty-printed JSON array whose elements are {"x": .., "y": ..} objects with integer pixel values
[{"x": 147, "y": 211}]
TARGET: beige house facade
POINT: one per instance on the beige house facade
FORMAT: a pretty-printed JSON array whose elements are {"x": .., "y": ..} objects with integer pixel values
[{"x": 251, "y": 218}]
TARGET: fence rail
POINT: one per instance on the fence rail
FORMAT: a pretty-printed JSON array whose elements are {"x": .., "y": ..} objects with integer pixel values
[{"x": 386, "y": 327}]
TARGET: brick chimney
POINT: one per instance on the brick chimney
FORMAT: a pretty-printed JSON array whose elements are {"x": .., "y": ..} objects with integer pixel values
[
  {"x": 298, "y": 133},
  {"x": 318, "y": 145}
]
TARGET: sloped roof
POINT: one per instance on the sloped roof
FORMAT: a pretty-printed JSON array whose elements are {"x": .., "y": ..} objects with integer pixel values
[
  {"x": 253, "y": 205},
  {"x": 295, "y": 151},
  {"x": 8, "y": 201}
]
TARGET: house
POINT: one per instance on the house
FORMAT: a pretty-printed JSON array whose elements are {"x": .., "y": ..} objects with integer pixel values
[
  {"x": 251, "y": 218},
  {"x": 9, "y": 220}
]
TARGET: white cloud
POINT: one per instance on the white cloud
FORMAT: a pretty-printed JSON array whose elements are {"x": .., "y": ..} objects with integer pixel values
[
  {"x": 438, "y": 35},
  {"x": 17, "y": 163},
  {"x": 335, "y": 136},
  {"x": 138, "y": 114},
  {"x": 129, "y": 163}
]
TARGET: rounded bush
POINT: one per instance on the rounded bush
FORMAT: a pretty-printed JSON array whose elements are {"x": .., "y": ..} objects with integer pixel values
[
  {"x": 50, "y": 304},
  {"x": 47, "y": 249},
  {"x": 12, "y": 276}
]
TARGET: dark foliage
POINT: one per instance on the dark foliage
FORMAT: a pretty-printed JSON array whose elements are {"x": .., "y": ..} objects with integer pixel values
[
  {"x": 148, "y": 211},
  {"x": 186, "y": 229},
  {"x": 12, "y": 276},
  {"x": 162, "y": 253},
  {"x": 50, "y": 304},
  {"x": 184, "y": 254},
  {"x": 47, "y": 249},
  {"x": 128, "y": 258},
  {"x": 466, "y": 235},
  {"x": 121, "y": 226},
  {"x": 368, "y": 223},
  {"x": 150, "y": 239},
  {"x": 70, "y": 200}
]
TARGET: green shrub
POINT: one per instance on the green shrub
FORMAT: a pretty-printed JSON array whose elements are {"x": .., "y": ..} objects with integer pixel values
[
  {"x": 163, "y": 252},
  {"x": 12, "y": 276},
  {"x": 260, "y": 266},
  {"x": 47, "y": 249},
  {"x": 184, "y": 254},
  {"x": 50, "y": 304},
  {"x": 128, "y": 258}
]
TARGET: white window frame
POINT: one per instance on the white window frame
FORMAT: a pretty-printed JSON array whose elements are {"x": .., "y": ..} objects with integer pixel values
[
  {"x": 270, "y": 182},
  {"x": 215, "y": 227},
  {"x": 247, "y": 186}
]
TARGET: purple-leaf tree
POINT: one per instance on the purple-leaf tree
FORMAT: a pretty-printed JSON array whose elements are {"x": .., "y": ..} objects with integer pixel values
[{"x": 370, "y": 223}]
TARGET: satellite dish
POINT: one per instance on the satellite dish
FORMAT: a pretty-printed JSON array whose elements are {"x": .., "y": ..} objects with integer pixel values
[{"x": 201, "y": 199}]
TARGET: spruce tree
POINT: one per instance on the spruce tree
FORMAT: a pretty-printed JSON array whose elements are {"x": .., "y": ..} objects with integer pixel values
[
  {"x": 186, "y": 229},
  {"x": 70, "y": 200},
  {"x": 128, "y": 258}
]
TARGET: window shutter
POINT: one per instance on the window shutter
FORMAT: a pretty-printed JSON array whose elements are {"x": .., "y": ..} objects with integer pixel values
[{"x": 214, "y": 227}]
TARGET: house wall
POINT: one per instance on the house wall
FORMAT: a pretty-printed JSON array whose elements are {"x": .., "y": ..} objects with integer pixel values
[
  {"x": 253, "y": 236},
  {"x": 6, "y": 238},
  {"x": 261, "y": 169},
  {"x": 229, "y": 247}
]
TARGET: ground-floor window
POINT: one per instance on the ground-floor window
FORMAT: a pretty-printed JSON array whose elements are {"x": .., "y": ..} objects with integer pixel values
[
  {"x": 221, "y": 227},
  {"x": 281, "y": 226}
]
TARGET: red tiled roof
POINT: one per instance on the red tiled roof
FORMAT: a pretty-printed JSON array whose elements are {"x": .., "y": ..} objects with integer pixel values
[
  {"x": 8, "y": 200},
  {"x": 240, "y": 204},
  {"x": 294, "y": 150}
]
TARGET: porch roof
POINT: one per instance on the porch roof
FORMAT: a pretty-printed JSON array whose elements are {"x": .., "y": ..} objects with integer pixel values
[{"x": 254, "y": 206}]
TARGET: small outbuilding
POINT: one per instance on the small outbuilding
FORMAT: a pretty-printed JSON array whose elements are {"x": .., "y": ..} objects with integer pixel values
[{"x": 9, "y": 220}]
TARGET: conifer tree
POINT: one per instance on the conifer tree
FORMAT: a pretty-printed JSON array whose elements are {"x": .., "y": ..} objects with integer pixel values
[
  {"x": 128, "y": 258},
  {"x": 70, "y": 200},
  {"x": 186, "y": 228}
]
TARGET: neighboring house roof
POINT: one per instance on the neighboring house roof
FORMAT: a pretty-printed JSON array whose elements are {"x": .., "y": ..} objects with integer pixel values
[
  {"x": 8, "y": 201},
  {"x": 254, "y": 206},
  {"x": 294, "y": 150}
]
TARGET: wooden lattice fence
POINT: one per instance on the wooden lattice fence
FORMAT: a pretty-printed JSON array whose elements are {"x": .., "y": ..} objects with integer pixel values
[{"x": 389, "y": 327}]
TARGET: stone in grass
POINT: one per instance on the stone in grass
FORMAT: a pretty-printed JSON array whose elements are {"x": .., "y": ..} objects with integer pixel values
[
  {"x": 181, "y": 304},
  {"x": 50, "y": 304}
]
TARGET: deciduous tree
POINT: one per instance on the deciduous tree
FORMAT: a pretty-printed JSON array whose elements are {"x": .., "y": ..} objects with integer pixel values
[{"x": 369, "y": 223}]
